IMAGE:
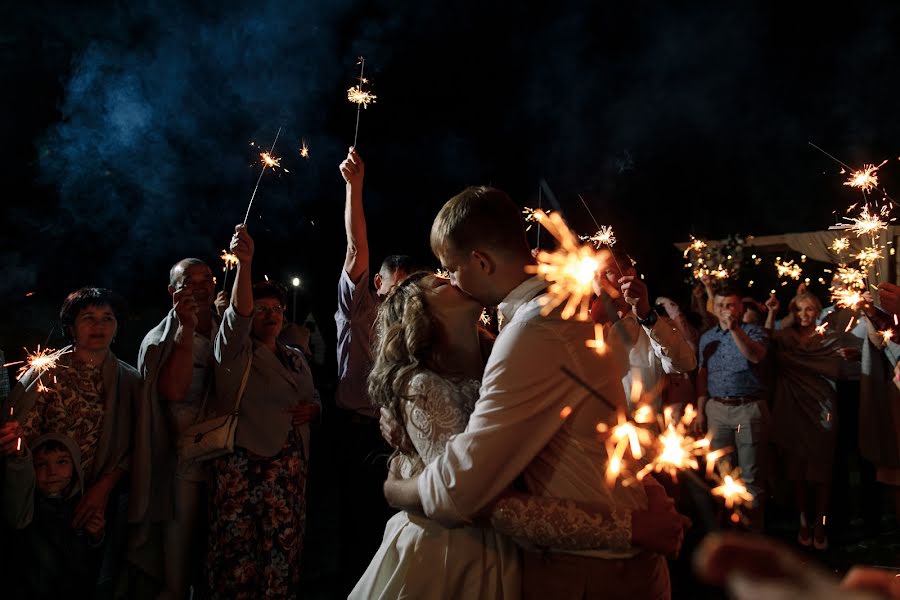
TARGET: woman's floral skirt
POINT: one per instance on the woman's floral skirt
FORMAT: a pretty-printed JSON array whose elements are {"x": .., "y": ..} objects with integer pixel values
[{"x": 257, "y": 515}]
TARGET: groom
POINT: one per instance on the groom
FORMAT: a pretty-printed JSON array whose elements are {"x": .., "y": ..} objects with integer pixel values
[{"x": 533, "y": 420}]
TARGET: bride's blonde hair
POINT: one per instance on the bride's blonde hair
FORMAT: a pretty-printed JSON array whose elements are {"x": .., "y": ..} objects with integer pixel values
[
  {"x": 406, "y": 336},
  {"x": 404, "y": 343}
]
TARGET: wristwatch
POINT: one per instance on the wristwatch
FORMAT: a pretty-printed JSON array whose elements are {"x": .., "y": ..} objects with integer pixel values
[{"x": 651, "y": 319}]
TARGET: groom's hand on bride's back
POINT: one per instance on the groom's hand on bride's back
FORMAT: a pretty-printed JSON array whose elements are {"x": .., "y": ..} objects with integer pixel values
[
  {"x": 394, "y": 433},
  {"x": 660, "y": 528}
]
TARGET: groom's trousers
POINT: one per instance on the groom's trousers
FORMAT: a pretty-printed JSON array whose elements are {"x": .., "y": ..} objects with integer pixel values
[{"x": 572, "y": 577}]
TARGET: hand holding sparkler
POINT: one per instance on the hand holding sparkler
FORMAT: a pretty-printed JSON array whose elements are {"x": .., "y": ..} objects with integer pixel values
[
  {"x": 353, "y": 169},
  {"x": 635, "y": 293},
  {"x": 772, "y": 304},
  {"x": 242, "y": 246}
]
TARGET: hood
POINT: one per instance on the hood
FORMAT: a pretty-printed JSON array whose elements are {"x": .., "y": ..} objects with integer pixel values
[{"x": 73, "y": 449}]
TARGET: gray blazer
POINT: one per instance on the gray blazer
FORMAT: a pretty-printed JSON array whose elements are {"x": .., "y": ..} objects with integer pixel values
[{"x": 272, "y": 387}]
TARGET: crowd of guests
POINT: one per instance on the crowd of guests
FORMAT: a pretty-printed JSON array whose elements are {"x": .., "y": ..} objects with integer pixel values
[{"x": 102, "y": 496}]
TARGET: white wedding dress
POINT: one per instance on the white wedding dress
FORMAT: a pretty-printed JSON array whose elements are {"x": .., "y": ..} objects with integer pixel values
[{"x": 418, "y": 558}]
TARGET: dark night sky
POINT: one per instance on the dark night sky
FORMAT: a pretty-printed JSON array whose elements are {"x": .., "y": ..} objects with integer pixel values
[{"x": 126, "y": 129}]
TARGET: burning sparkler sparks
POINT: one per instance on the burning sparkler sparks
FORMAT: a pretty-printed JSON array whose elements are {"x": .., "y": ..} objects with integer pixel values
[
  {"x": 850, "y": 277},
  {"x": 865, "y": 179},
  {"x": 867, "y": 223},
  {"x": 788, "y": 269},
  {"x": 840, "y": 244},
  {"x": 570, "y": 270},
  {"x": 39, "y": 361},
  {"x": 304, "y": 149},
  {"x": 695, "y": 246},
  {"x": 846, "y": 297},
  {"x": 886, "y": 336},
  {"x": 528, "y": 214},
  {"x": 485, "y": 317},
  {"x": 266, "y": 159},
  {"x": 603, "y": 237},
  {"x": 360, "y": 97},
  {"x": 732, "y": 489},
  {"x": 230, "y": 260},
  {"x": 676, "y": 449},
  {"x": 868, "y": 256}
]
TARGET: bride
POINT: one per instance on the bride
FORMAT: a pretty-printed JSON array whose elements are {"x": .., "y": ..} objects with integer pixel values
[{"x": 429, "y": 358}]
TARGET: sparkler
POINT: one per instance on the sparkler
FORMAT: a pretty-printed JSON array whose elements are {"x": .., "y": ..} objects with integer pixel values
[
  {"x": 788, "y": 269},
  {"x": 603, "y": 237},
  {"x": 820, "y": 329},
  {"x": 304, "y": 149},
  {"x": 570, "y": 270},
  {"x": 867, "y": 223},
  {"x": 846, "y": 297},
  {"x": 866, "y": 178},
  {"x": 485, "y": 318},
  {"x": 868, "y": 256},
  {"x": 40, "y": 361},
  {"x": 266, "y": 160},
  {"x": 360, "y": 97},
  {"x": 695, "y": 246},
  {"x": 528, "y": 214},
  {"x": 231, "y": 261},
  {"x": 676, "y": 449},
  {"x": 840, "y": 244},
  {"x": 732, "y": 489},
  {"x": 886, "y": 336}
]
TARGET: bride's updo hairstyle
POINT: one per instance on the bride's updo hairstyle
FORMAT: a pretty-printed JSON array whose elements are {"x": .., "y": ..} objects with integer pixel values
[{"x": 404, "y": 342}]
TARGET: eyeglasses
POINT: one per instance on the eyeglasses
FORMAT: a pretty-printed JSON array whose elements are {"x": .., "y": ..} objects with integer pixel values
[{"x": 265, "y": 310}]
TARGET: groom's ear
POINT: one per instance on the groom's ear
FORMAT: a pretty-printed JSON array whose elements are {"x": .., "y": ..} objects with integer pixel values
[{"x": 485, "y": 262}]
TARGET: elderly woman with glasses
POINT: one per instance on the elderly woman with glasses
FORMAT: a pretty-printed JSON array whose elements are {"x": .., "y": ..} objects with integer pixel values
[{"x": 257, "y": 509}]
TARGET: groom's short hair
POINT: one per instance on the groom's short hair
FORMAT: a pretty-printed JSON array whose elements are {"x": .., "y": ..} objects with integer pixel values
[{"x": 480, "y": 217}]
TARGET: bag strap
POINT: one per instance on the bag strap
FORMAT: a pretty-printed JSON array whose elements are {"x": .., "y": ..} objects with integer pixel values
[{"x": 240, "y": 394}]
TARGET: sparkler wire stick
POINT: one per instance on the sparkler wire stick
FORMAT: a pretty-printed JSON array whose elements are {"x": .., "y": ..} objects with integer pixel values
[
  {"x": 540, "y": 207},
  {"x": 362, "y": 66},
  {"x": 258, "y": 179}
]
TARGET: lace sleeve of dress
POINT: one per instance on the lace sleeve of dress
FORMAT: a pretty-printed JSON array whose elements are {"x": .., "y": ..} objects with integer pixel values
[
  {"x": 433, "y": 414},
  {"x": 561, "y": 524}
]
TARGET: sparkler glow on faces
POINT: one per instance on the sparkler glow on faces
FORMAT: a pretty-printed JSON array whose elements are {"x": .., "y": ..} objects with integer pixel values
[{"x": 570, "y": 270}]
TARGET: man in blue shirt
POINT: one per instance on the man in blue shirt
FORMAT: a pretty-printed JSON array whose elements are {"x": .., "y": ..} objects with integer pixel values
[{"x": 730, "y": 391}]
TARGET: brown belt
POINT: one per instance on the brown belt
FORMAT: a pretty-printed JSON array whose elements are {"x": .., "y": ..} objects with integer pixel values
[{"x": 736, "y": 400}]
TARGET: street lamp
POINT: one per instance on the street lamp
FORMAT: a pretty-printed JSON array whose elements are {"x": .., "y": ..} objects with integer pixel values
[{"x": 296, "y": 283}]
